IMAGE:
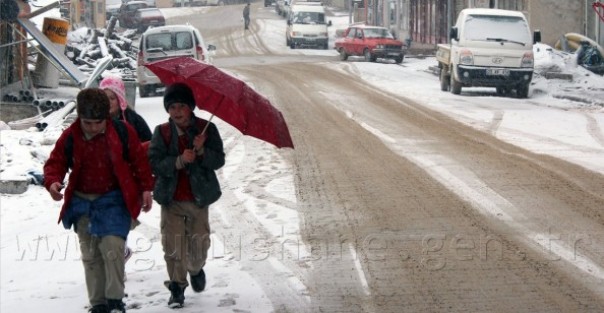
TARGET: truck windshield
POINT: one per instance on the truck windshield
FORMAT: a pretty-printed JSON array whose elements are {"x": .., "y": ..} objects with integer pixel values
[
  {"x": 309, "y": 18},
  {"x": 504, "y": 28}
]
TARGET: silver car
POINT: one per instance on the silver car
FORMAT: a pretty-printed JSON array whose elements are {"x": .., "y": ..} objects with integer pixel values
[{"x": 167, "y": 42}]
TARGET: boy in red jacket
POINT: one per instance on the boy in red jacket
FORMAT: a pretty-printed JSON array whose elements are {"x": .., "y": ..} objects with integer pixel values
[{"x": 106, "y": 189}]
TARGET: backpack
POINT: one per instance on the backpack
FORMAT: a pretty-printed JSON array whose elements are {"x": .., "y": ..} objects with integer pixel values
[{"x": 122, "y": 132}]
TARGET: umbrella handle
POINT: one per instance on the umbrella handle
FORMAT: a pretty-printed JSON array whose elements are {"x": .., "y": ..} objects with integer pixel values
[
  {"x": 205, "y": 127},
  {"x": 207, "y": 124}
]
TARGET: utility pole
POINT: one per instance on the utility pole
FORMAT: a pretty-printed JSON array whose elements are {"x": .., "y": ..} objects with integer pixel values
[
  {"x": 386, "y": 13},
  {"x": 88, "y": 9},
  {"x": 449, "y": 23},
  {"x": 351, "y": 8}
]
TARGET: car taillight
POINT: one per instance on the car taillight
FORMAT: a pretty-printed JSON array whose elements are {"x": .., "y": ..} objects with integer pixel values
[
  {"x": 140, "y": 61},
  {"x": 200, "y": 54}
]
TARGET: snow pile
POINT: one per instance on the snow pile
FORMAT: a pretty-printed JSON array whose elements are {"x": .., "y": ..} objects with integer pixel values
[{"x": 547, "y": 59}]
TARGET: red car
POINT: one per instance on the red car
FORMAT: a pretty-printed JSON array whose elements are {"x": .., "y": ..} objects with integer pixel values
[
  {"x": 372, "y": 42},
  {"x": 126, "y": 13},
  {"x": 148, "y": 17}
]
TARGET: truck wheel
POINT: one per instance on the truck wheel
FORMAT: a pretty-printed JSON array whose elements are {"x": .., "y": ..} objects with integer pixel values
[
  {"x": 522, "y": 91},
  {"x": 368, "y": 56},
  {"x": 292, "y": 44},
  {"x": 455, "y": 86},
  {"x": 445, "y": 82},
  {"x": 399, "y": 60},
  {"x": 502, "y": 91},
  {"x": 343, "y": 55}
]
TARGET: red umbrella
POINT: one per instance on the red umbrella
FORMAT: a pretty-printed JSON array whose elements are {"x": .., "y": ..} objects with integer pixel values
[{"x": 227, "y": 97}]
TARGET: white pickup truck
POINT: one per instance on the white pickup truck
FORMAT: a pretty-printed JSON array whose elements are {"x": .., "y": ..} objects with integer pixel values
[{"x": 489, "y": 48}]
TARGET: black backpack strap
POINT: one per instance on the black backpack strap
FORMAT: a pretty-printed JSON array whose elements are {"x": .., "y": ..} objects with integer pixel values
[
  {"x": 122, "y": 132},
  {"x": 69, "y": 150}
]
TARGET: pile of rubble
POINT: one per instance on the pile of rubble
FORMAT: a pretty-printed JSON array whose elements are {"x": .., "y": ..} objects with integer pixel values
[
  {"x": 89, "y": 50},
  {"x": 86, "y": 47}
]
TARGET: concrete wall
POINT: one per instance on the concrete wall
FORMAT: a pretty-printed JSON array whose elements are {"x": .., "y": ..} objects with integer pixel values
[
  {"x": 87, "y": 10},
  {"x": 13, "y": 112},
  {"x": 163, "y": 3},
  {"x": 555, "y": 18}
]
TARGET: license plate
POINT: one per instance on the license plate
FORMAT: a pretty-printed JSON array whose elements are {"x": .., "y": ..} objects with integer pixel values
[
  {"x": 393, "y": 54},
  {"x": 498, "y": 72}
]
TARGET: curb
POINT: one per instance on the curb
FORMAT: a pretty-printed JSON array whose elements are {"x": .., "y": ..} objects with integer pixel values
[
  {"x": 14, "y": 187},
  {"x": 581, "y": 99}
]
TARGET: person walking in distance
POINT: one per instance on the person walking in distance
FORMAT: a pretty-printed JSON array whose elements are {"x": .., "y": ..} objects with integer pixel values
[
  {"x": 184, "y": 154},
  {"x": 110, "y": 181},
  {"x": 246, "y": 16}
]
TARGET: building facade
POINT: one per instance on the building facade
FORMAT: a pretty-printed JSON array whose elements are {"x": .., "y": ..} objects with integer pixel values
[{"x": 427, "y": 22}]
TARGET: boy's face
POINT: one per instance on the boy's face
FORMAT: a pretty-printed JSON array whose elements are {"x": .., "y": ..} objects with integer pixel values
[
  {"x": 180, "y": 114},
  {"x": 93, "y": 127}
]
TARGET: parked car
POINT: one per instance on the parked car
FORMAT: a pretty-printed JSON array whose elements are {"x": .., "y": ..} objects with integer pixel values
[
  {"x": 127, "y": 11},
  {"x": 149, "y": 17},
  {"x": 112, "y": 7},
  {"x": 372, "y": 42},
  {"x": 187, "y": 3},
  {"x": 488, "y": 48},
  {"x": 215, "y": 2},
  {"x": 281, "y": 7},
  {"x": 167, "y": 42}
]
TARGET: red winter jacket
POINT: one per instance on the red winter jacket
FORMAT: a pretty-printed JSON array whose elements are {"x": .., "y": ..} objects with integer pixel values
[{"x": 134, "y": 176}]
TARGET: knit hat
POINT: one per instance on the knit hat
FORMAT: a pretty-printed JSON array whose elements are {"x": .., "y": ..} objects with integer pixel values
[
  {"x": 179, "y": 93},
  {"x": 92, "y": 103},
  {"x": 116, "y": 84}
]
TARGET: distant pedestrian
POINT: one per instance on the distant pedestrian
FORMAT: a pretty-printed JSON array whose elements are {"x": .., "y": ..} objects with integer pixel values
[
  {"x": 246, "y": 15},
  {"x": 109, "y": 182},
  {"x": 184, "y": 154}
]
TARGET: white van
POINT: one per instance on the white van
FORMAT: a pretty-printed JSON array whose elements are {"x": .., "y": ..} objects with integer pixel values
[
  {"x": 167, "y": 42},
  {"x": 306, "y": 26}
]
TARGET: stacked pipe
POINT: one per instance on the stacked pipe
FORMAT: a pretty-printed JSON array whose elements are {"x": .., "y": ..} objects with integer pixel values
[
  {"x": 26, "y": 122},
  {"x": 51, "y": 104},
  {"x": 20, "y": 96},
  {"x": 57, "y": 116}
]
